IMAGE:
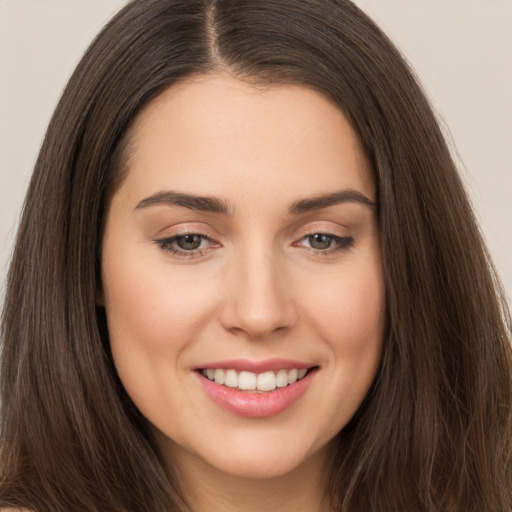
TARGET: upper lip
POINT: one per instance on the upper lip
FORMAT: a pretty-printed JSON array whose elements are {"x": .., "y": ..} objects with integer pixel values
[{"x": 256, "y": 366}]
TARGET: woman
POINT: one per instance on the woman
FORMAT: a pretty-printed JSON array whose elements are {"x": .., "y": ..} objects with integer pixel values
[{"x": 247, "y": 276}]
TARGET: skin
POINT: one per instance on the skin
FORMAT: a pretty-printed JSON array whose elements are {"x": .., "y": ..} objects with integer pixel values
[{"x": 257, "y": 288}]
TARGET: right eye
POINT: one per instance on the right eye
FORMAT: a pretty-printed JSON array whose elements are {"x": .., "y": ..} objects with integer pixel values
[
  {"x": 189, "y": 242},
  {"x": 187, "y": 245}
]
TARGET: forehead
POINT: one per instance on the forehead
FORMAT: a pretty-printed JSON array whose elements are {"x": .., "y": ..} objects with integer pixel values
[{"x": 209, "y": 131}]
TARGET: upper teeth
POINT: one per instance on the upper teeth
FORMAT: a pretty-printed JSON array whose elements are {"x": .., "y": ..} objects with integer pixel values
[{"x": 267, "y": 381}]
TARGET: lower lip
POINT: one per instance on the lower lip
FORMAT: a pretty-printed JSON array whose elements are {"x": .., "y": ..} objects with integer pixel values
[{"x": 253, "y": 404}]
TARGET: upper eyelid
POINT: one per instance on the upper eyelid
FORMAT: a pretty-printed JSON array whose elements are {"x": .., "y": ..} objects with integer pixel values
[
  {"x": 173, "y": 238},
  {"x": 184, "y": 230},
  {"x": 298, "y": 237},
  {"x": 325, "y": 231},
  {"x": 324, "y": 226},
  {"x": 340, "y": 232},
  {"x": 186, "y": 233}
]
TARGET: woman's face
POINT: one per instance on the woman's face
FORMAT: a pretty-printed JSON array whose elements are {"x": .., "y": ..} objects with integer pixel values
[{"x": 242, "y": 251}]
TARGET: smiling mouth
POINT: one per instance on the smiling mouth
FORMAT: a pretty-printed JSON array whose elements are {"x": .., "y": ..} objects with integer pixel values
[
  {"x": 272, "y": 388},
  {"x": 255, "y": 382}
]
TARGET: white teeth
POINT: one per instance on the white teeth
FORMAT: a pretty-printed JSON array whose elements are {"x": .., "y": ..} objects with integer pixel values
[
  {"x": 231, "y": 379},
  {"x": 292, "y": 376},
  {"x": 282, "y": 379},
  {"x": 219, "y": 376},
  {"x": 266, "y": 381},
  {"x": 247, "y": 380}
]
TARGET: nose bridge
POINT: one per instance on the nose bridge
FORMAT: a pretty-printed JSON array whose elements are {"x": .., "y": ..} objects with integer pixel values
[{"x": 258, "y": 301}]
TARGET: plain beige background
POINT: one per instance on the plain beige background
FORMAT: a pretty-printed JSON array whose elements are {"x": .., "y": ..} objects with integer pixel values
[{"x": 461, "y": 50}]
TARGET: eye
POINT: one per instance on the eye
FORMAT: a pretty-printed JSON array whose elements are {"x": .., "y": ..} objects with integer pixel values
[
  {"x": 189, "y": 242},
  {"x": 320, "y": 242},
  {"x": 323, "y": 243},
  {"x": 187, "y": 245}
]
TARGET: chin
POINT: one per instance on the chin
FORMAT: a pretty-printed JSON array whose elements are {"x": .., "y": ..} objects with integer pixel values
[
  {"x": 260, "y": 466},
  {"x": 261, "y": 455}
]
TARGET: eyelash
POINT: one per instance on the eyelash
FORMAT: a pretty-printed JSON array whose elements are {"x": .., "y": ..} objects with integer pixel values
[
  {"x": 168, "y": 245},
  {"x": 342, "y": 243}
]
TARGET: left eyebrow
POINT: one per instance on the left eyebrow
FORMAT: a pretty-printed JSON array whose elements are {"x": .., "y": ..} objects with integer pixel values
[{"x": 326, "y": 200}]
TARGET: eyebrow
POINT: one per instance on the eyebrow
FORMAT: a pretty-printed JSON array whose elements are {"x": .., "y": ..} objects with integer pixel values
[
  {"x": 190, "y": 201},
  {"x": 326, "y": 200},
  {"x": 215, "y": 205}
]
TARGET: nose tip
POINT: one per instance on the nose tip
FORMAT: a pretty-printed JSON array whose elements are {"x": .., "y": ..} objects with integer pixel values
[
  {"x": 256, "y": 322},
  {"x": 257, "y": 303}
]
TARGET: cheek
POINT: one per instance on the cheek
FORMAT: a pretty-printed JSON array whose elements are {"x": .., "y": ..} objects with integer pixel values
[
  {"x": 154, "y": 313},
  {"x": 149, "y": 304},
  {"x": 348, "y": 309},
  {"x": 344, "y": 310}
]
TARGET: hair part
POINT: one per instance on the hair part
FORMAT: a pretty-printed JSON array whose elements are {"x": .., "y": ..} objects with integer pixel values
[{"x": 435, "y": 430}]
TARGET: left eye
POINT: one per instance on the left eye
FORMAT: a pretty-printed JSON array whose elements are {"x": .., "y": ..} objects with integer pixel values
[
  {"x": 325, "y": 242},
  {"x": 320, "y": 241}
]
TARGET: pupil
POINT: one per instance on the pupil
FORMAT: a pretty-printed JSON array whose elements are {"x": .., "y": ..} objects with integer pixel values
[
  {"x": 189, "y": 242},
  {"x": 320, "y": 242}
]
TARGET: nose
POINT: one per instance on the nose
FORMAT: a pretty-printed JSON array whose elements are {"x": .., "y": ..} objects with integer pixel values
[{"x": 258, "y": 301}]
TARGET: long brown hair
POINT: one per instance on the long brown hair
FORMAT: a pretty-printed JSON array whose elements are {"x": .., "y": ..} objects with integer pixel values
[{"x": 434, "y": 432}]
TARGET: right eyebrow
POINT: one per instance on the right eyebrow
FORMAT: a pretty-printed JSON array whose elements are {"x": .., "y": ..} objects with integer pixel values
[{"x": 190, "y": 201}]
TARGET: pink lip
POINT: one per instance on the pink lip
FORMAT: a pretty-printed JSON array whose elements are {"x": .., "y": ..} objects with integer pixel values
[
  {"x": 247, "y": 365},
  {"x": 252, "y": 404}
]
